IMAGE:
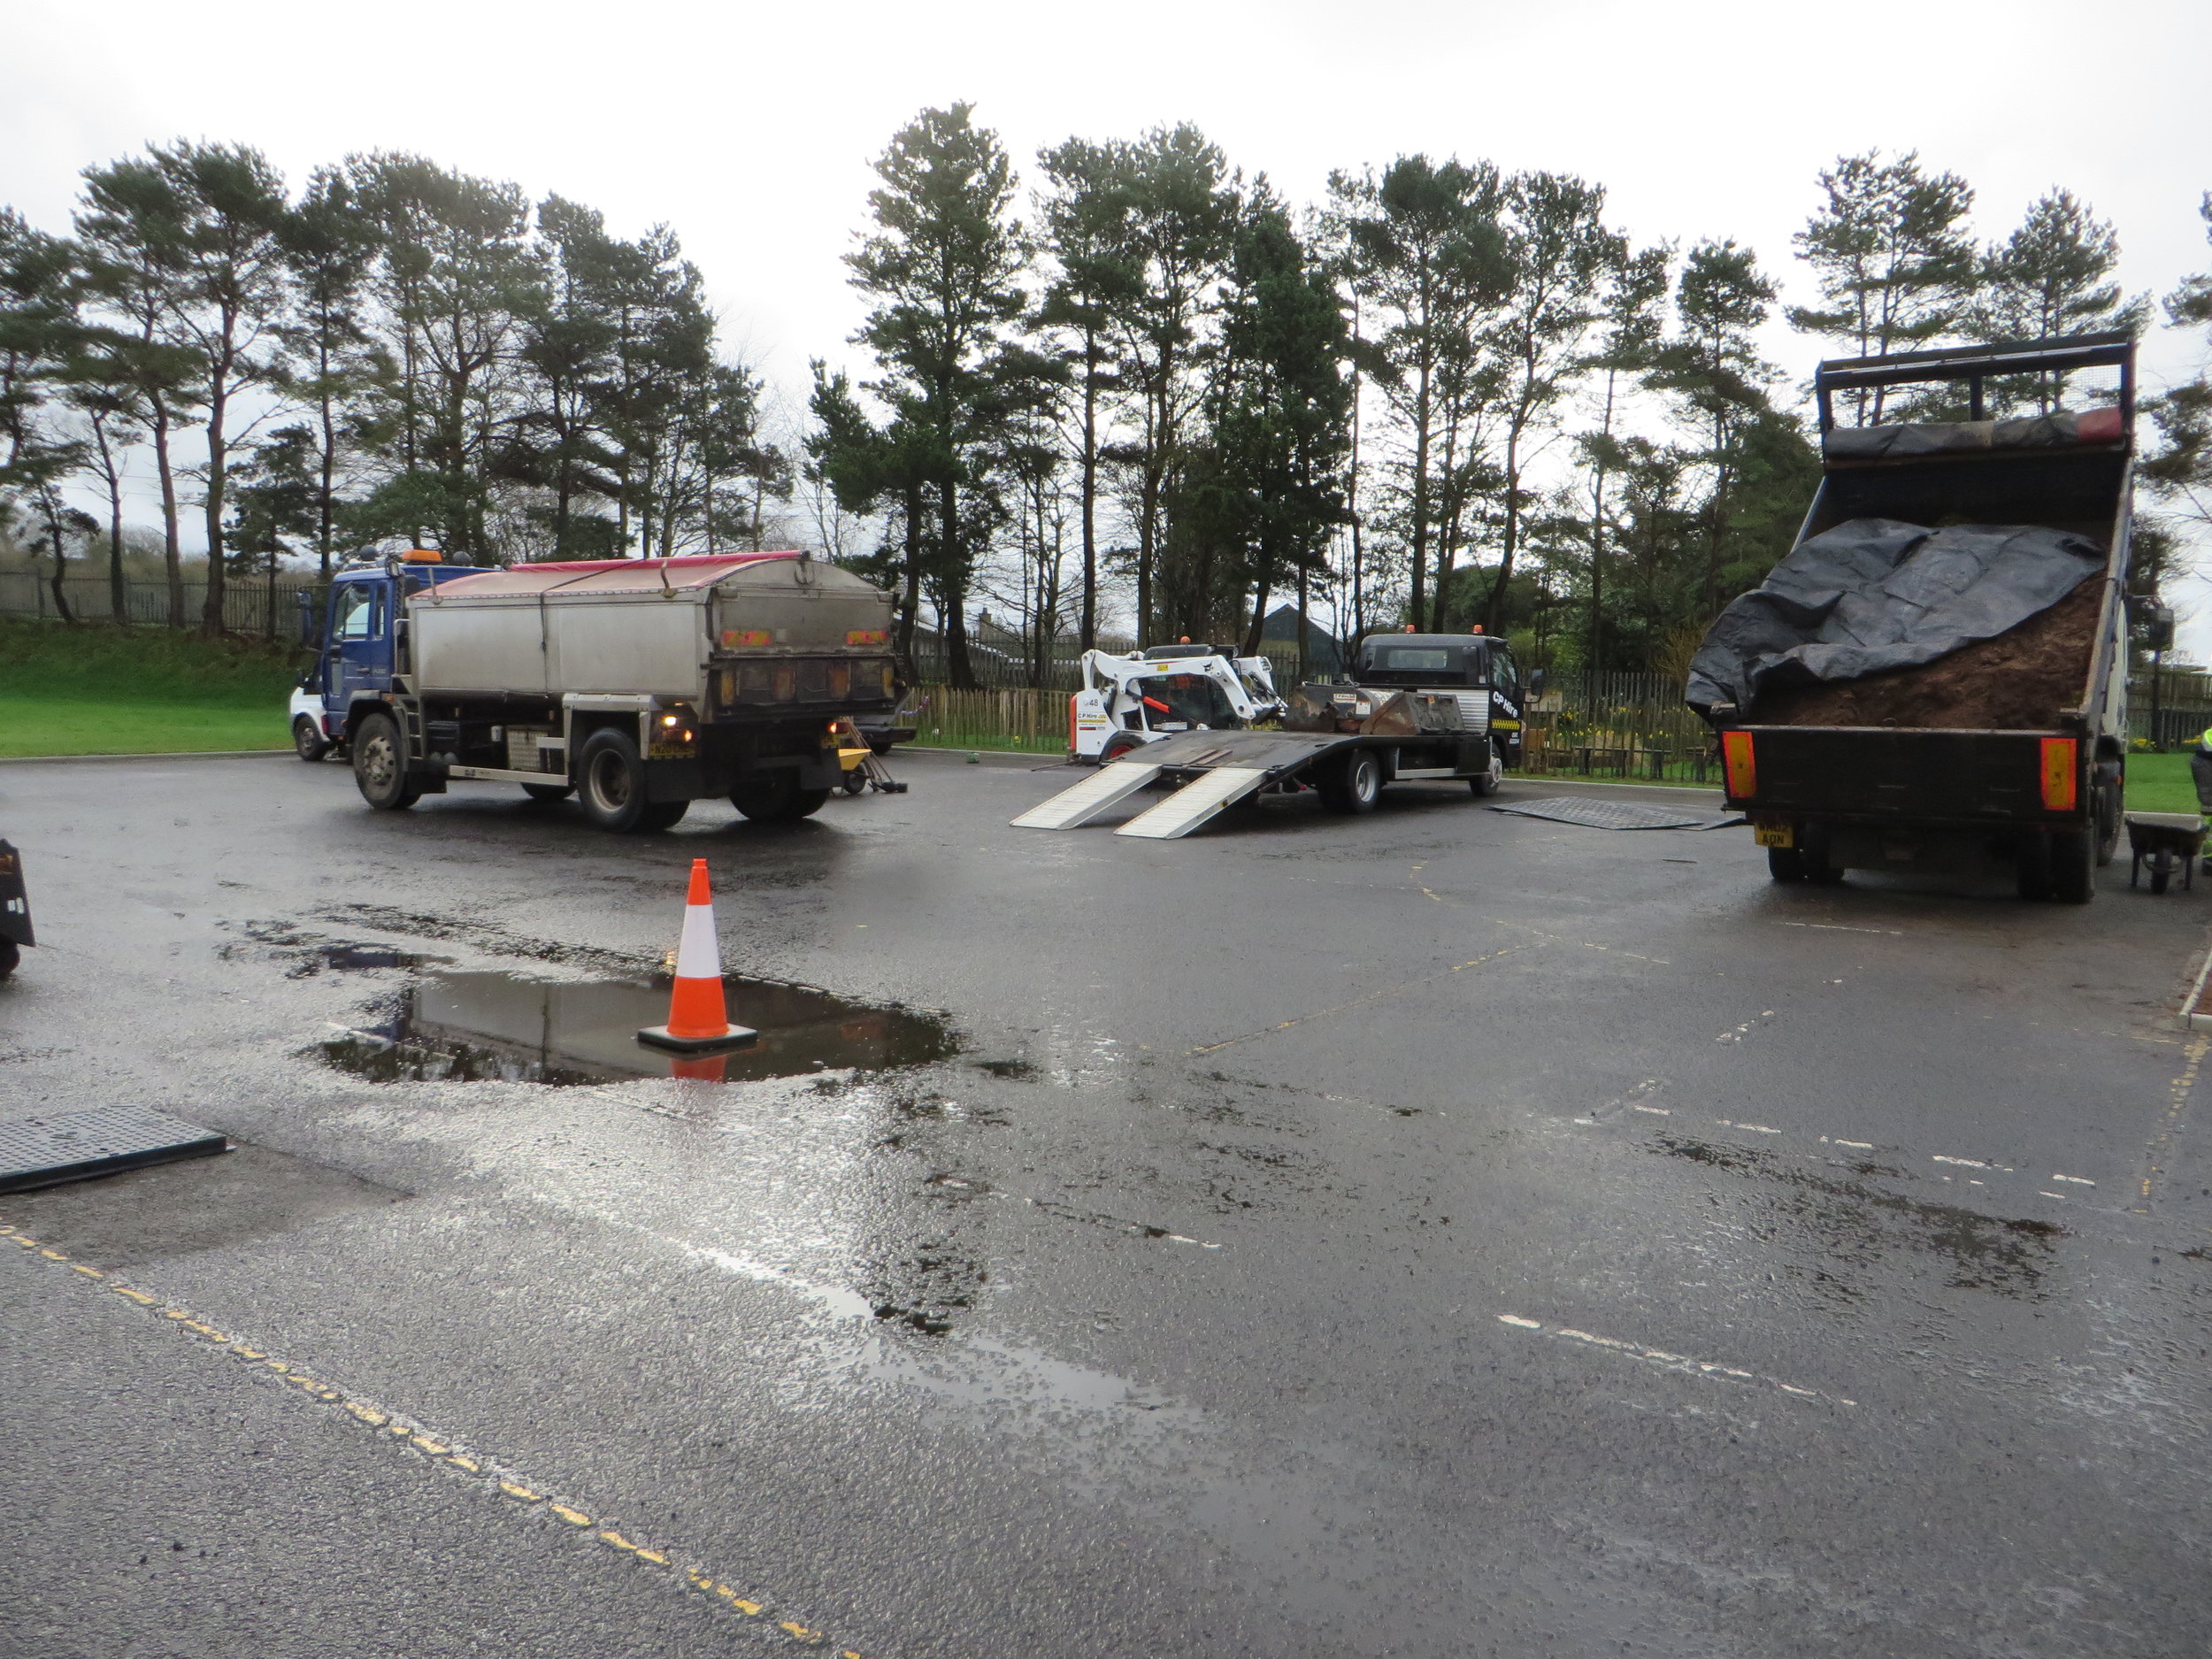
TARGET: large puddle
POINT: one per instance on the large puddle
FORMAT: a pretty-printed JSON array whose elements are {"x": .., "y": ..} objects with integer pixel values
[{"x": 479, "y": 1026}]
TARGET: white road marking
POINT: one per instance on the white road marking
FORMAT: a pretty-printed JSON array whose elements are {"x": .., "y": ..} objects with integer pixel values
[
  {"x": 2078, "y": 1180},
  {"x": 1856, "y": 1145},
  {"x": 1680, "y": 1364},
  {"x": 1971, "y": 1163},
  {"x": 1657, "y": 1111},
  {"x": 1837, "y": 927}
]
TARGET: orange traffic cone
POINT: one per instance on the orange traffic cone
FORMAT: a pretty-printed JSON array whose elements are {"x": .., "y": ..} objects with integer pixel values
[{"x": 698, "y": 1019}]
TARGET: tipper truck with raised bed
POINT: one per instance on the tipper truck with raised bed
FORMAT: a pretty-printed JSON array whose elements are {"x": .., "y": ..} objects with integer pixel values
[
  {"x": 639, "y": 685},
  {"x": 1934, "y": 679}
]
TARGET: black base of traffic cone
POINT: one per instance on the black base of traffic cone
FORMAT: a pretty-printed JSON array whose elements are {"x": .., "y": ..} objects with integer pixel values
[{"x": 735, "y": 1037}]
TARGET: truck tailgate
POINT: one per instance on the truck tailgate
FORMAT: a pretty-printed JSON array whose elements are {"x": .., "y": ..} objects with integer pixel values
[{"x": 1956, "y": 776}]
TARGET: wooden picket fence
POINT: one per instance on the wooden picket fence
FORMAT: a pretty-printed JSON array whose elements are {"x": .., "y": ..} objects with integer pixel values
[{"x": 1013, "y": 718}]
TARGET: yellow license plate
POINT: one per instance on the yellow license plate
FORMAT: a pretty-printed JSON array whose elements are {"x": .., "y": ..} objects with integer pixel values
[{"x": 1774, "y": 835}]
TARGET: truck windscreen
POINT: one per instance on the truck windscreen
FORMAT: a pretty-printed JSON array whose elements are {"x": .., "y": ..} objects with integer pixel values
[{"x": 1417, "y": 658}]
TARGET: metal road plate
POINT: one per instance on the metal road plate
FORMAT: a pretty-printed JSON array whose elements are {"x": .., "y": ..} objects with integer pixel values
[
  {"x": 1612, "y": 815},
  {"x": 1193, "y": 803},
  {"x": 1116, "y": 780},
  {"x": 57, "y": 1146}
]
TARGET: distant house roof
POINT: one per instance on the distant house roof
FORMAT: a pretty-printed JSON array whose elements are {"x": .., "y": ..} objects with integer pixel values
[{"x": 1324, "y": 652}]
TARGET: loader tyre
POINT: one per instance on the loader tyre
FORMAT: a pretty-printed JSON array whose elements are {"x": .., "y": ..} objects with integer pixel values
[
  {"x": 2074, "y": 866},
  {"x": 549, "y": 792},
  {"x": 380, "y": 765},
  {"x": 1120, "y": 743},
  {"x": 1355, "y": 785},
  {"x": 610, "y": 782},
  {"x": 774, "y": 797}
]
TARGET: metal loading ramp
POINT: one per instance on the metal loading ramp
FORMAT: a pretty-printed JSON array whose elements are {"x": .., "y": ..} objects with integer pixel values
[
  {"x": 1216, "y": 770},
  {"x": 1193, "y": 803},
  {"x": 1112, "y": 783}
]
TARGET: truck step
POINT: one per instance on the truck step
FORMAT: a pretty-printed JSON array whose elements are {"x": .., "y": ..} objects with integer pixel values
[
  {"x": 1115, "y": 781},
  {"x": 1195, "y": 803}
]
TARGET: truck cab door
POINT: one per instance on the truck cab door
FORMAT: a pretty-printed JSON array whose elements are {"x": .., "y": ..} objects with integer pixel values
[
  {"x": 1508, "y": 699},
  {"x": 358, "y": 661}
]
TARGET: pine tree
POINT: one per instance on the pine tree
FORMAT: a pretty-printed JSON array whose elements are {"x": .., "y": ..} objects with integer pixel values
[
  {"x": 943, "y": 263},
  {"x": 1889, "y": 249},
  {"x": 2047, "y": 279},
  {"x": 1427, "y": 259},
  {"x": 1558, "y": 254},
  {"x": 2181, "y": 472},
  {"x": 329, "y": 245},
  {"x": 224, "y": 304},
  {"x": 130, "y": 226},
  {"x": 1084, "y": 219}
]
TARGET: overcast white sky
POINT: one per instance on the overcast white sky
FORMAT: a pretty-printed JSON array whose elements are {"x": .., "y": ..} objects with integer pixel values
[{"x": 749, "y": 127}]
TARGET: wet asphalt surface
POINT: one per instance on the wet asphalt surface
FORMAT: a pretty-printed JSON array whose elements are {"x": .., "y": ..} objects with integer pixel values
[{"x": 1441, "y": 1233}]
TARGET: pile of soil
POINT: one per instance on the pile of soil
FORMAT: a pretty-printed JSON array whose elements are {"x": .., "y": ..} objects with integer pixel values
[{"x": 2017, "y": 681}]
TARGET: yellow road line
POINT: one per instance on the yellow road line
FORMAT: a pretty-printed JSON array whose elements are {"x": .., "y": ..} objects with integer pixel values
[
  {"x": 2177, "y": 1102},
  {"x": 436, "y": 1449}
]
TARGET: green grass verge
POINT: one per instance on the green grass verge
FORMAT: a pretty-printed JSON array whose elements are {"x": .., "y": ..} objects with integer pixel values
[
  {"x": 2159, "y": 783},
  {"x": 97, "y": 689},
  {"x": 67, "y": 726}
]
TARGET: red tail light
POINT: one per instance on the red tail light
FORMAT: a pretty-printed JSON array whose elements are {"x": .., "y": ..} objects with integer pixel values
[
  {"x": 2059, "y": 784},
  {"x": 1742, "y": 765}
]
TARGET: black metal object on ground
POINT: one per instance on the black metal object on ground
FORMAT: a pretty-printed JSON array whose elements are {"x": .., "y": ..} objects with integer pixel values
[
  {"x": 1612, "y": 815},
  {"x": 53, "y": 1148}
]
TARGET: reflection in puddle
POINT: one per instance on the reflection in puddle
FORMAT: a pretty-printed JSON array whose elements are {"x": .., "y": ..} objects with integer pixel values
[{"x": 481, "y": 1027}]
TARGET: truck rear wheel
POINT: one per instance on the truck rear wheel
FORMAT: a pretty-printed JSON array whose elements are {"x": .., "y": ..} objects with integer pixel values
[
  {"x": 10, "y": 955},
  {"x": 548, "y": 791},
  {"x": 2108, "y": 798},
  {"x": 2074, "y": 866},
  {"x": 1353, "y": 785},
  {"x": 611, "y": 783},
  {"x": 774, "y": 797},
  {"x": 380, "y": 765},
  {"x": 1785, "y": 864}
]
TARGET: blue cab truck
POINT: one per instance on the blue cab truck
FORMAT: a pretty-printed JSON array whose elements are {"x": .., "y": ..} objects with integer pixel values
[{"x": 638, "y": 685}]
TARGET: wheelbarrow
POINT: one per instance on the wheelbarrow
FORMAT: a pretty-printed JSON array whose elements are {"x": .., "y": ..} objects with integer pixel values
[
  {"x": 2166, "y": 842},
  {"x": 857, "y": 761}
]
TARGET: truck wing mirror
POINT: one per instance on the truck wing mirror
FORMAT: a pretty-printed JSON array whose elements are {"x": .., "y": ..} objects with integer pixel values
[{"x": 1536, "y": 683}]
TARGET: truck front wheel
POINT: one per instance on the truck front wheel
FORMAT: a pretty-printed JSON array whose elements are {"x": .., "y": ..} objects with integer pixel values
[
  {"x": 380, "y": 765},
  {"x": 610, "y": 785},
  {"x": 307, "y": 742}
]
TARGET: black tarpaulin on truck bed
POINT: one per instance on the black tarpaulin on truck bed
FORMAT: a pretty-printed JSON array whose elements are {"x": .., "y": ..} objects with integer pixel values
[{"x": 1879, "y": 594}]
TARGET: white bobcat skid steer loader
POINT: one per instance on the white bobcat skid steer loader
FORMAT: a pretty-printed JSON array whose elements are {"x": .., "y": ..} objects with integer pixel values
[{"x": 1130, "y": 701}]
